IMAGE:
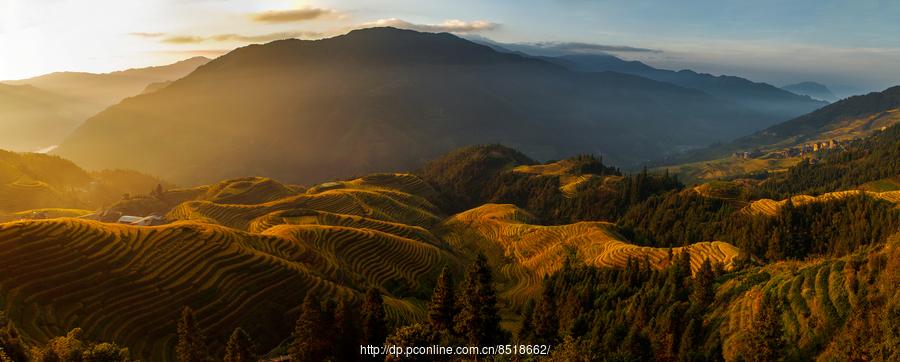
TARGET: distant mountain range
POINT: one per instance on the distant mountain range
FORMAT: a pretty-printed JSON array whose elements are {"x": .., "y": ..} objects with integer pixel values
[
  {"x": 853, "y": 117},
  {"x": 389, "y": 99},
  {"x": 33, "y": 118},
  {"x": 812, "y": 89},
  {"x": 777, "y": 104},
  {"x": 38, "y": 113},
  {"x": 101, "y": 90}
]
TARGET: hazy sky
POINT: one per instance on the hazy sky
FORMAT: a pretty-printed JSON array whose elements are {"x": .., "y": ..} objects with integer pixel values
[{"x": 850, "y": 44}]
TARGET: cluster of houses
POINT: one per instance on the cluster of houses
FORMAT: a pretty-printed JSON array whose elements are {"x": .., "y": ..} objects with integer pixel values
[
  {"x": 151, "y": 220},
  {"x": 746, "y": 155},
  {"x": 804, "y": 151}
]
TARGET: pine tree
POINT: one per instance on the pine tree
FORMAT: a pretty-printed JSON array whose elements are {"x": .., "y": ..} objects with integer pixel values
[
  {"x": 526, "y": 329},
  {"x": 346, "y": 324},
  {"x": 765, "y": 340},
  {"x": 416, "y": 335},
  {"x": 689, "y": 341},
  {"x": 440, "y": 311},
  {"x": 546, "y": 319},
  {"x": 703, "y": 293},
  {"x": 191, "y": 345},
  {"x": 158, "y": 192},
  {"x": 239, "y": 348},
  {"x": 309, "y": 344},
  {"x": 105, "y": 352},
  {"x": 478, "y": 319},
  {"x": 373, "y": 321}
]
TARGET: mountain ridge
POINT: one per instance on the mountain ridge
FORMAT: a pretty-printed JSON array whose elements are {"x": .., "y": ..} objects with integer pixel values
[
  {"x": 290, "y": 97},
  {"x": 813, "y": 89},
  {"x": 778, "y": 103}
]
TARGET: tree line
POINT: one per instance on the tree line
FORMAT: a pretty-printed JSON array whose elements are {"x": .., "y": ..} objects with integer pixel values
[
  {"x": 833, "y": 227},
  {"x": 334, "y": 329},
  {"x": 874, "y": 158}
]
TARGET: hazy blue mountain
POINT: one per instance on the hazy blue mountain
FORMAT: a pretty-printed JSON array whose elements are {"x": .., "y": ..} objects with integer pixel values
[
  {"x": 778, "y": 104},
  {"x": 850, "y": 117},
  {"x": 814, "y": 90}
]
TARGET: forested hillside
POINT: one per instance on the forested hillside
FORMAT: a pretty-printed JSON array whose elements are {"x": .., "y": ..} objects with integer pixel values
[
  {"x": 575, "y": 253},
  {"x": 875, "y": 158}
]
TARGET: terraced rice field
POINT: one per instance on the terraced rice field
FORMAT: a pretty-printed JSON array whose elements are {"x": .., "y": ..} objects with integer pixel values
[
  {"x": 248, "y": 190},
  {"x": 770, "y": 207},
  {"x": 314, "y": 217},
  {"x": 570, "y": 181},
  {"x": 381, "y": 204},
  {"x": 817, "y": 297},
  {"x": 402, "y": 182},
  {"x": 248, "y": 262},
  {"x": 47, "y": 213},
  {"x": 127, "y": 284},
  {"x": 525, "y": 253}
]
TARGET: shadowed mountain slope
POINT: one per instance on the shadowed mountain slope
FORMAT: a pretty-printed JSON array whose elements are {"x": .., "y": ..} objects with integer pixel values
[
  {"x": 384, "y": 99},
  {"x": 36, "y": 114}
]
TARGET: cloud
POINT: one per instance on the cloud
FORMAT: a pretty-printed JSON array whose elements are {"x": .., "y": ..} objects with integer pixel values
[
  {"x": 589, "y": 48},
  {"x": 265, "y": 37},
  {"x": 295, "y": 15},
  {"x": 182, "y": 39},
  {"x": 147, "y": 35},
  {"x": 231, "y": 37},
  {"x": 450, "y": 26}
]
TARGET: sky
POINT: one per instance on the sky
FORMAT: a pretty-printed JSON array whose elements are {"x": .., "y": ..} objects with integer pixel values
[{"x": 851, "y": 46}]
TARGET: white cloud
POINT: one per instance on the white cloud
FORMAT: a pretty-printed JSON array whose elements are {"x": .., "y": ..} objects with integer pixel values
[
  {"x": 295, "y": 15},
  {"x": 450, "y": 26},
  {"x": 230, "y": 37}
]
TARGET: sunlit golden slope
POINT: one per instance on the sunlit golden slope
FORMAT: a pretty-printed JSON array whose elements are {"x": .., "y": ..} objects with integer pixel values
[
  {"x": 770, "y": 207},
  {"x": 524, "y": 253},
  {"x": 571, "y": 180},
  {"x": 248, "y": 190},
  {"x": 127, "y": 284},
  {"x": 36, "y": 181},
  {"x": 367, "y": 197},
  {"x": 243, "y": 253},
  {"x": 314, "y": 217}
]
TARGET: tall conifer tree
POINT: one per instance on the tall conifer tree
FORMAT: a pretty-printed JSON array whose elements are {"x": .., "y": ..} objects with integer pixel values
[{"x": 191, "y": 345}]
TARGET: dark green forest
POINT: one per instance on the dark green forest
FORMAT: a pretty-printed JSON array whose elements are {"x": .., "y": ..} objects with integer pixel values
[{"x": 870, "y": 159}]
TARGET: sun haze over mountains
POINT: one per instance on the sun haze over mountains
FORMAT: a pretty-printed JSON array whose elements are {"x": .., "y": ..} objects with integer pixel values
[{"x": 346, "y": 181}]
